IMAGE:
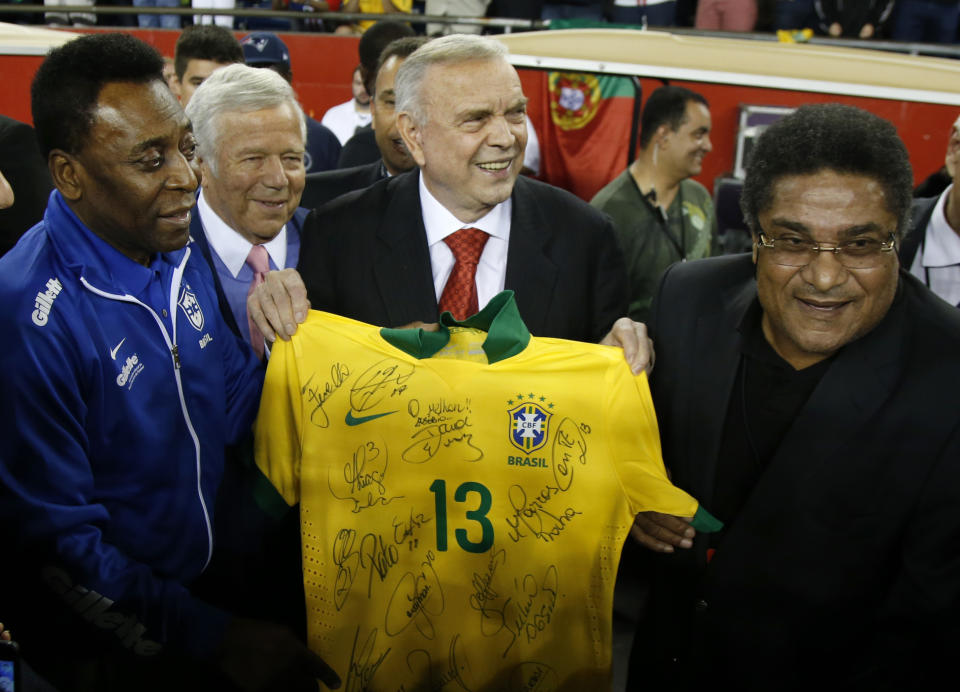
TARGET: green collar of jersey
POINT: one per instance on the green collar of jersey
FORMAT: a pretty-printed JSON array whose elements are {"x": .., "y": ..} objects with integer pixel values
[{"x": 507, "y": 335}]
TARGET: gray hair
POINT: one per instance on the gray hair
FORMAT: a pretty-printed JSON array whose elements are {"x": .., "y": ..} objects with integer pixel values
[
  {"x": 452, "y": 49},
  {"x": 231, "y": 89}
]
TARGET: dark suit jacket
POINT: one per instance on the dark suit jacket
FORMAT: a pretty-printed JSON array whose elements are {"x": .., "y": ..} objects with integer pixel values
[
  {"x": 326, "y": 185},
  {"x": 842, "y": 569},
  {"x": 920, "y": 212},
  {"x": 365, "y": 256},
  {"x": 360, "y": 149},
  {"x": 25, "y": 168},
  {"x": 199, "y": 238}
]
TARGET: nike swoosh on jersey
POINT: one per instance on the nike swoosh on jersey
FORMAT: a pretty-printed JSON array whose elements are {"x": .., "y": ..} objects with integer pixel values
[
  {"x": 351, "y": 420},
  {"x": 113, "y": 351}
]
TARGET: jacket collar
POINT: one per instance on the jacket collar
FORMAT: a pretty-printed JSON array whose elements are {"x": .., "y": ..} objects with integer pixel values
[
  {"x": 507, "y": 335},
  {"x": 93, "y": 258}
]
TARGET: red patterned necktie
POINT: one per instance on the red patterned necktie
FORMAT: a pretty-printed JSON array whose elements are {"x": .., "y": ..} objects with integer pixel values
[
  {"x": 259, "y": 261},
  {"x": 460, "y": 294}
]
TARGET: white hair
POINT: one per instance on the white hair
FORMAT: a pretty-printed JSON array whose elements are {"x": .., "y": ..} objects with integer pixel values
[
  {"x": 236, "y": 88},
  {"x": 447, "y": 50}
]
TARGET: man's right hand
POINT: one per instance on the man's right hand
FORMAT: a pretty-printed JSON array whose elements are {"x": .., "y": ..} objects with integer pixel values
[
  {"x": 637, "y": 346},
  {"x": 279, "y": 304},
  {"x": 260, "y": 656},
  {"x": 662, "y": 532}
]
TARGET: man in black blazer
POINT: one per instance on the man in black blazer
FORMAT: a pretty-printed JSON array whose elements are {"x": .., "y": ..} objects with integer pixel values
[
  {"x": 931, "y": 247},
  {"x": 807, "y": 396},
  {"x": 381, "y": 255},
  {"x": 365, "y": 256},
  {"x": 393, "y": 157}
]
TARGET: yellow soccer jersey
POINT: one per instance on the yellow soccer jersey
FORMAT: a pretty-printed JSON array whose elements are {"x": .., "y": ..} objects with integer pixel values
[{"x": 464, "y": 496}]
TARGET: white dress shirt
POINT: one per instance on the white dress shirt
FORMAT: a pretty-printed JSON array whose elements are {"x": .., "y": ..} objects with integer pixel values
[
  {"x": 937, "y": 262},
  {"x": 231, "y": 247},
  {"x": 492, "y": 269}
]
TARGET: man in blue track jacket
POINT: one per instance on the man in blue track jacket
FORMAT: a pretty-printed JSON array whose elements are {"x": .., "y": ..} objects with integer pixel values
[{"x": 121, "y": 386}]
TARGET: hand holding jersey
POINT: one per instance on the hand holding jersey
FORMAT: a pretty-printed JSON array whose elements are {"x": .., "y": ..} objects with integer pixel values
[{"x": 279, "y": 305}]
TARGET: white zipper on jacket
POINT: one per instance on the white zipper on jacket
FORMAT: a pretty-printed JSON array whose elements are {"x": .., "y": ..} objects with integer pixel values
[{"x": 175, "y": 357}]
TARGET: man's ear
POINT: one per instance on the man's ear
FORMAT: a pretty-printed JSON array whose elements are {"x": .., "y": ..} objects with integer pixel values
[
  {"x": 953, "y": 153},
  {"x": 204, "y": 171},
  {"x": 662, "y": 135},
  {"x": 66, "y": 172},
  {"x": 412, "y": 135}
]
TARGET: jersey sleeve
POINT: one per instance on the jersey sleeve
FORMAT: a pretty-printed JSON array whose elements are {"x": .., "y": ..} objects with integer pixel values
[
  {"x": 631, "y": 428},
  {"x": 277, "y": 433}
]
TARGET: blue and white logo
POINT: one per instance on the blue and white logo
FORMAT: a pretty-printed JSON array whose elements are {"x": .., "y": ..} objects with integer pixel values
[
  {"x": 191, "y": 308},
  {"x": 528, "y": 426}
]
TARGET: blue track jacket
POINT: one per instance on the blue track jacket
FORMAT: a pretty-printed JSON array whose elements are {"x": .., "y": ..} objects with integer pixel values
[{"x": 120, "y": 386}]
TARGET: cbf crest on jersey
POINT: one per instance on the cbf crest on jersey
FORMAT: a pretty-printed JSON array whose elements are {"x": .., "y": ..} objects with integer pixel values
[
  {"x": 529, "y": 424},
  {"x": 191, "y": 308}
]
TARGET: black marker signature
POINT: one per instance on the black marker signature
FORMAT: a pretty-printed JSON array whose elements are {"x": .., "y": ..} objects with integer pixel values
[
  {"x": 492, "y": 617},
  {"x": 404, "y": 529},
  {"x": 373, "y": 554},
  {"x": 531, "y": 516},
  {"x": 431, "y": 439},
  {"x": 457, "y": 663},
  {"x": 417, "y": 598},
  {"x": 533, "y": 676},
  {"x": 383, "y": 379},
  {"x": 318, "y": 395},
  {"x": 533, "y": 608},
  {"x": 569, "y": 447},
  {"x": 363, "y": 666},
  {"x": 363, "y": 479}
]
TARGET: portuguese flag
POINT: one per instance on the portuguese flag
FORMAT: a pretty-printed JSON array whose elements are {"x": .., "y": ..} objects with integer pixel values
[{"x": 585, "y": 144}]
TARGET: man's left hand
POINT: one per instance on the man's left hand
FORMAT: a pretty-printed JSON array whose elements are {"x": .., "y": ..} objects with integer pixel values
[
  {"x": 637, "y": 346},
  {"x": 279, "y": 304}
]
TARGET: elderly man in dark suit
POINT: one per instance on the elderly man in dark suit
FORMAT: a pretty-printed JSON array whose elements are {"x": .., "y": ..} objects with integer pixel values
[
  {"x": 385, "y": 255},
  {"x": 807, "y": 396}
]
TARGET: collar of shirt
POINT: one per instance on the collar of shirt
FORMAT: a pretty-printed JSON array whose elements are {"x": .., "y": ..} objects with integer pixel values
[
  {"x": 107, "y": 267},
  {"x": 231, "y": 247},
  {"x": 439, "y": 223},
  {"x": 941, "y": 244}
]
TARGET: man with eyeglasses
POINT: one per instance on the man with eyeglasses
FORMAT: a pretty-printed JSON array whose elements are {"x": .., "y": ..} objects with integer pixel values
[{"x": 808, "y": 395}]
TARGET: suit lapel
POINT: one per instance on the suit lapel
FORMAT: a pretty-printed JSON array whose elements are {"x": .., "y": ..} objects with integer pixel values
[
  {"x": 401, "y": 260},
  {"x": 717, "y": 342},
  {"x": 199, "y": 237},
  {"x": 531, "y": 274}
]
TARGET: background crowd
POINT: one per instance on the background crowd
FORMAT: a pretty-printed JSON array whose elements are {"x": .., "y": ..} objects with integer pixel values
[{"x": 932, "y": 21}]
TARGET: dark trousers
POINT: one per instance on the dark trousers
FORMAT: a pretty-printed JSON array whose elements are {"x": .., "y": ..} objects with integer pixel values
[
  {"x": 664, "y": 14},
  {"x": 794, "y": 14},
  {"x": 925, "y": 21}
]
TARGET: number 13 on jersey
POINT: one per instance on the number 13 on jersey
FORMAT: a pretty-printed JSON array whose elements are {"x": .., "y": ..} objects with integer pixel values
[{"x": 462, "y": 495}]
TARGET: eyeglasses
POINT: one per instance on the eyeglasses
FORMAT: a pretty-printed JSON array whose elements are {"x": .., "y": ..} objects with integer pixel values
[{"x": 797, "y": 251}]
